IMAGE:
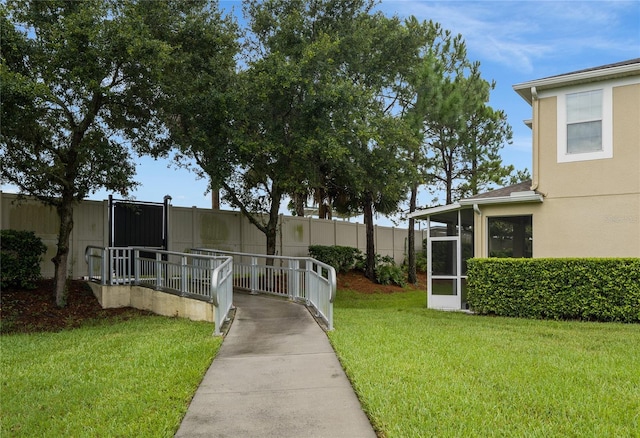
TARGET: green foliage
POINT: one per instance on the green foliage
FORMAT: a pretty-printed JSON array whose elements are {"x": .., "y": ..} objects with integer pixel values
[
  {"x": 342, "y": 258},
  {"x": 21, "y": 254},
  {"x": 587, "y": 289},
  {"x": 387, "y": 272},
  {"x": 345, "y": 258},
  {"x": 461, "y": 135},
  {"x": 81, "y": 90},
  {"x": 421, "y": 261}
]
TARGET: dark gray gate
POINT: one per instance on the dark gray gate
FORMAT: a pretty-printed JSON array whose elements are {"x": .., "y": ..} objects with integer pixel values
[{"x": 136, "y": 223}]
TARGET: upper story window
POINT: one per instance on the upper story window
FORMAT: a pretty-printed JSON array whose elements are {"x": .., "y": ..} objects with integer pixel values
[{"x": 585, "y": 124}]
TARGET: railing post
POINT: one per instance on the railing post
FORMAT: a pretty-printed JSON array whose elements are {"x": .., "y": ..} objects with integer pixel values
[
  {"x": 183, "y": 275},
  {"x": 308, "y": 267},
  {"x": 212, "y": 287},
  {"x": 110, "y": 262},
  {"x": 104, "y": 266},
  {"x": 254, "y": 275},
  {"x": 136, "y": 266},
  {"x": 131, "y": 264},
  {"x": 159, "y": 276},
  {"x": 292, "y": 286}
]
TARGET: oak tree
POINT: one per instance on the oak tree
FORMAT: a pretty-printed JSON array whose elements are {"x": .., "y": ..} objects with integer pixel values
[{"x": 80, "y": 94}]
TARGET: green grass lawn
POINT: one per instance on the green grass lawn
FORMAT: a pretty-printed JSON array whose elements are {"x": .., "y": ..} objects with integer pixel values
[
  {"x": 132, "y": 378},
  {"x": 423, "y": 373}
]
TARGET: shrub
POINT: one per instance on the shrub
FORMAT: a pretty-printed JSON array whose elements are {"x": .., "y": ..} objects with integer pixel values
[
  {"x": 387, "y": 272},
  {"x": 345, "y": 258},
  {"x": 342, "y": 258},
  {"x": 421, "y": 261},
  {"x": 588, "y": 289},
  {"x": 21, "y": 254}
]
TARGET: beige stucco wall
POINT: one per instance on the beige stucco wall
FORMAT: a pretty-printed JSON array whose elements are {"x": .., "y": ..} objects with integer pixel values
[
  {"x": 604, "y": 226},
  {"x": 590, "y": 208},
  {"x": 572, "y": 227},
  {"x": 620, "y": 174}
]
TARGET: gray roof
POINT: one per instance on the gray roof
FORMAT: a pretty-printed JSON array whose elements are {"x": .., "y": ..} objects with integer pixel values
[
  {"x": 516, "y": 193},
  {"x": 600, "y": 67},
  {"x": 630, "y": 67},
  {"x": 524, "y": 186}
]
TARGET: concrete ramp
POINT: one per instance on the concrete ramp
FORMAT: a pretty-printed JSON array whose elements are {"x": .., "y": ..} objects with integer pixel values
[{"x": 276, "y": 375}]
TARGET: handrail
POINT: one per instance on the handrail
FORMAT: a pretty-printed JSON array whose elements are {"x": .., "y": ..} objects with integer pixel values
[
  {"x": 197, "y": 276},
  {"x": 301, "y": 278},
  {"x": 331, "y": 269}
]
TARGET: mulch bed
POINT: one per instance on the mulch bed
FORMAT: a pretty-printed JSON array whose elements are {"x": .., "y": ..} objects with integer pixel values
[
  {"x": 355, "y": 280},
  {"x": 35, "y": 310}
]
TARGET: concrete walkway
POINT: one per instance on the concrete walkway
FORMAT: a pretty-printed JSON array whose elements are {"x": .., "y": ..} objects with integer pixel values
[{"x": 275, "y": 375}]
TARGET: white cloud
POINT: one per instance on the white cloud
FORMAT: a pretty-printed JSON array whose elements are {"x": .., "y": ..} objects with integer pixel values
[{"x": 524, "y": 34}]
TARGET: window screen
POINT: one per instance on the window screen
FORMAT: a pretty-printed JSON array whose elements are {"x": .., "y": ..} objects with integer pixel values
[{"x": 584, "y": 122}]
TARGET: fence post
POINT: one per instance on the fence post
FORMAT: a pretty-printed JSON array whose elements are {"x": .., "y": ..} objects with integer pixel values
[
  {"x": 110, "y": 265},
  {"x": 212, "y": 287}
]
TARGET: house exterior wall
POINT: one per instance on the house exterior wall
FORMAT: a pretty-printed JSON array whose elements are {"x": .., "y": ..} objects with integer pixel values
[
  {"x": 602, "y": 177},
  {"x": 572, "y": 227},
  {"x": 591, "y": 208}
]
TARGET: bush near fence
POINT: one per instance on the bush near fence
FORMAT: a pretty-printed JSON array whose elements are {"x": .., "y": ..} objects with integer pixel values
[
  {"x": 346, "y": 258},
  {"x": 341, "y": 258},
  {"x": 592, "y": 289},
  {"x": 21, "y": 253}
]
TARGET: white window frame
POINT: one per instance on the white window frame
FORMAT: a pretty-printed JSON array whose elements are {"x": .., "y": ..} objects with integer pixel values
[{"x": 563, "y": 155}]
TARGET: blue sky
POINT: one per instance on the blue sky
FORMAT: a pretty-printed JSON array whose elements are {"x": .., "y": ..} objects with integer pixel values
[{"x": 515, "y": 41}]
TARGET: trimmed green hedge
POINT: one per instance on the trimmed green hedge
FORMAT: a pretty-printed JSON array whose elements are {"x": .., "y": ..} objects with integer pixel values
[
  {"x": 20, "y": 257},
  {"x": 587, "y": 288}
]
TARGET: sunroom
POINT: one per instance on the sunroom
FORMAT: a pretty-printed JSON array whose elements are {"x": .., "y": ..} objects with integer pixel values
[{"x": 462, "y": 230}]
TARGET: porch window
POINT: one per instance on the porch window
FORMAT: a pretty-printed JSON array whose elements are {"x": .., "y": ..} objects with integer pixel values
[{"x": 511, "y": 236}]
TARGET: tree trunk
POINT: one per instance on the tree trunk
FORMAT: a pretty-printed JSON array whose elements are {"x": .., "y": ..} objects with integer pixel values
[
  {"x": 370, "y": 267},
  {"x": 215, "y": 198},
  {"x": 299, "y": 201},
  {"x": 271, "y": 241},
  {"x": 412, "y": 276},
  {"x": 324, "y": 211},
  {"x": 271, "y": 230},
  {"x": 60, "y": 261}
]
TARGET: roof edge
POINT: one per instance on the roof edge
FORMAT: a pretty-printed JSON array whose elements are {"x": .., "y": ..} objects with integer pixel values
[
  {"x": 614, "y": 71},
  {"x": 517, "y": 197},
  {"x": 421, "y": 214}
]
